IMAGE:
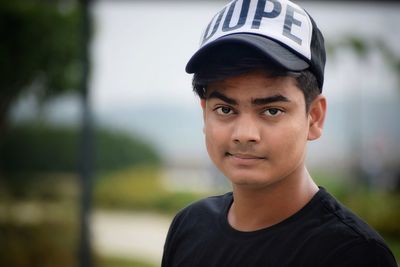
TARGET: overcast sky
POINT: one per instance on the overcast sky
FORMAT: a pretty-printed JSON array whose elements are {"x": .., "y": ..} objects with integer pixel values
[{"x": 140, "y": 49}]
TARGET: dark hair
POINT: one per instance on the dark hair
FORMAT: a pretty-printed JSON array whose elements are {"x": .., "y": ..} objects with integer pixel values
[{"x": 233, "y": 59}]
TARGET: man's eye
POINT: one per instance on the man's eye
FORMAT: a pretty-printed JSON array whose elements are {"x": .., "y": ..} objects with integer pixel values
[
  {"x": 273, "y": 112},
  {"x": 224, "y": 110}
]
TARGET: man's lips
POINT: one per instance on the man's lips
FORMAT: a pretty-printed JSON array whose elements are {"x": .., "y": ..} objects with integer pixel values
[{"x": 244, "y": 156}]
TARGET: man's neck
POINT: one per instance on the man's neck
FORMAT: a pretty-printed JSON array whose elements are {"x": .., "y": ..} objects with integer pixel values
[{"x": 258, "y": 208}]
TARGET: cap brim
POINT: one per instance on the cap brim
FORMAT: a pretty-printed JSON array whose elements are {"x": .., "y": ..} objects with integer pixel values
[{"x": 270, "y": 48}]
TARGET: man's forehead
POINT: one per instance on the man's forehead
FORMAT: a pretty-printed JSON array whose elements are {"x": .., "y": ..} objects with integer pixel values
[
  {"x": 246, "y": 99},
  {"x": 247, "y": 93},
  {"x": 252, "y": 86}
]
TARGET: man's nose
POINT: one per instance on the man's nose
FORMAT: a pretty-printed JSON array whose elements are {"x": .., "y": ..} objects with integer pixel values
[{"x": 246, "y": 130}]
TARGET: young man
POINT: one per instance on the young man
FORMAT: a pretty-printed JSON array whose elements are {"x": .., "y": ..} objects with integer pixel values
[{"x": 259, "y": 74}]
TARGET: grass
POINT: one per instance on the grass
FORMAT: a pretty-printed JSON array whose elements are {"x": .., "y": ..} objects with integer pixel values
[
  {"x": 39, "y": 217},
  {"x": 119, "y": 262},
  {"x": 42, "y": 244}
]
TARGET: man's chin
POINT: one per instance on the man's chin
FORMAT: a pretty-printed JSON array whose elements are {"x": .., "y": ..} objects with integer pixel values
[{"x": 249, "y": 180}]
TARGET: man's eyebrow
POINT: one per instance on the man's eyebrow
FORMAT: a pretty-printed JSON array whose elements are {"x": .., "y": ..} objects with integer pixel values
[
  {"x": 269, "y": 99},
  {"x": 222, "y": 97}
]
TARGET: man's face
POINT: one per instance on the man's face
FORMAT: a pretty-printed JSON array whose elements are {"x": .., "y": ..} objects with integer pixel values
[{"x": 256, "y": 128}]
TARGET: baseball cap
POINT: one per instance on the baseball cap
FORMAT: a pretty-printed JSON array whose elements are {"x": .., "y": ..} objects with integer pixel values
[{"x": 279, "y": 29}]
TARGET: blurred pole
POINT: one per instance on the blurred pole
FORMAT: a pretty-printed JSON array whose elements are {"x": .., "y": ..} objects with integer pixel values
[{"x": 86, "y": 148}]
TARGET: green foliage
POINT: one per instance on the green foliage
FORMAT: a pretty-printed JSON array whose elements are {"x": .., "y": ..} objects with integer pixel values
[
  {"x": 46, "y": 187},
  {"x": 35, "y": 148},
  {"x": 46, "y": 148},
  {"x": 358, "y": 45},
  {"x": 379, "y": 209},
  {"x": 139, "y": 189},
  {"x": 40, "y": 49},
  {"x": 394, "y": 245},
  {"x": 117, "y": 150},
  {"x": 117, "y": 262}
]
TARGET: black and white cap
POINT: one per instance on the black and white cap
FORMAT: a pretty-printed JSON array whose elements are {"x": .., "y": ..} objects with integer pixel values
[{"x": 279, "y": 29}]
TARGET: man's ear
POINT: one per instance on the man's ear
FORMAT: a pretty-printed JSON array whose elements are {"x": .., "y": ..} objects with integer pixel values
[
  {"x": 203, "y": 104},
  {"x": 316, "y": 117}
]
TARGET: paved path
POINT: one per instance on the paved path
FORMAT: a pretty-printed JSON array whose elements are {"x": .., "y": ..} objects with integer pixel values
[{"x": 130, "y": 235}]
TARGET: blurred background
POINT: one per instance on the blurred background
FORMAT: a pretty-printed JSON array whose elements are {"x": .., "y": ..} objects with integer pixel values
[{"x": 101, "y": 136}]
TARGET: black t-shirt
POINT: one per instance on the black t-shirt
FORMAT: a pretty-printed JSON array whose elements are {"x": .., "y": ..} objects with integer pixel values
[{"x": 323, "y": 233}]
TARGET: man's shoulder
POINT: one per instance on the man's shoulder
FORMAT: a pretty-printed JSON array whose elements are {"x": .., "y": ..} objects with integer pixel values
[
  {"x": 329, "y": 234},
  {"x": 343, "y": 235},
  {"x": 211, "y": 206},
  {"x": 344, "y": 221}
]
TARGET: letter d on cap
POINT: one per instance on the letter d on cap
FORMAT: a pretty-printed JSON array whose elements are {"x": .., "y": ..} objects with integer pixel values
[{"x": 207, "y": 34}]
